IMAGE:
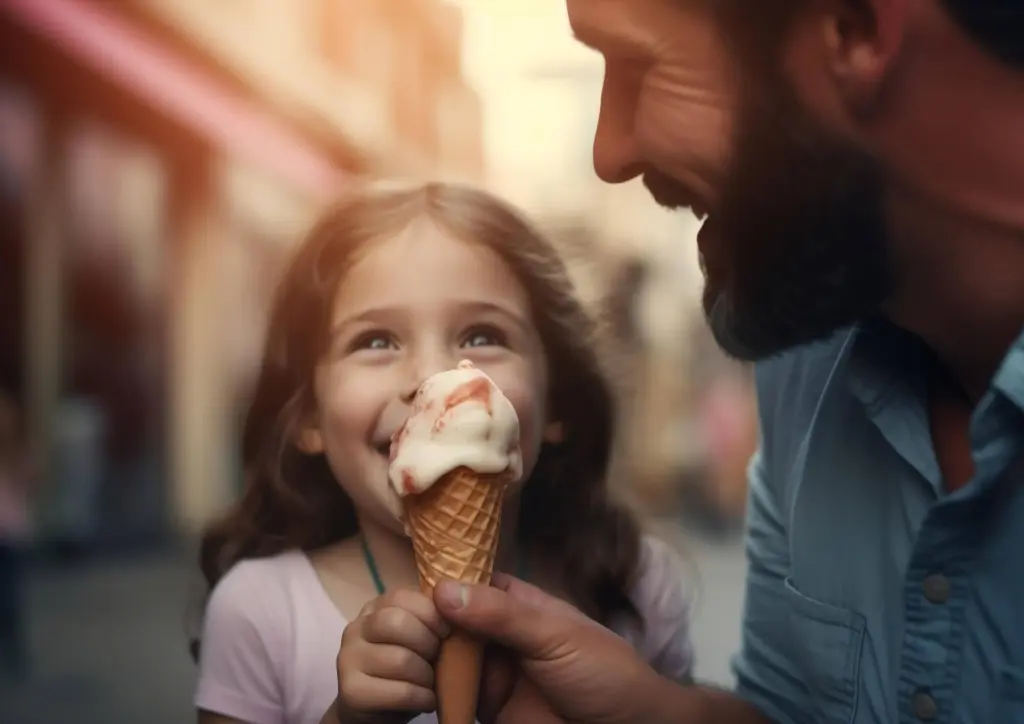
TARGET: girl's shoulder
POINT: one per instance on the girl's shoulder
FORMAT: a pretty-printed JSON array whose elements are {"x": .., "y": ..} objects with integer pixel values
[
  {"x": 269, "y": 574},
  {"x": 269, "y": 636},
  {"x": 662, "y": 589},
  {"x": 261, "y": 591},
  {"x": 663, "y": 595}
]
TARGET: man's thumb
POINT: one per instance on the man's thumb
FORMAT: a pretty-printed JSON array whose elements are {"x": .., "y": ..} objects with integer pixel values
[{"x": 512, "y": 613}]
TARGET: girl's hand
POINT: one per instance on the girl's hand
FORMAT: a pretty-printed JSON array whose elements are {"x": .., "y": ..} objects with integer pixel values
[{"x": 386, "y": 661}]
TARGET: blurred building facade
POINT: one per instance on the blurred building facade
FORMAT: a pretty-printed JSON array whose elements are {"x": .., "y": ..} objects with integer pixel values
[{"x": 158, "y": 157}]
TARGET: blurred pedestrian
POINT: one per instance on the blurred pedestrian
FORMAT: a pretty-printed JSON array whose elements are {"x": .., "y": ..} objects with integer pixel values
[{"x": 15, "y": 531}]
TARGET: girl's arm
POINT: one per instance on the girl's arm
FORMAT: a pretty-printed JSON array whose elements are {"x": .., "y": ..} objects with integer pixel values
[
  {"x": 243, "y": 640},
  {"x": 664, "y": 600}
]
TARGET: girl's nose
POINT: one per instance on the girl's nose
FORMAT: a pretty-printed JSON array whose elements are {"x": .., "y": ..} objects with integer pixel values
[
  {"x": 422, "y": 368},
  {"x": 408, "y": 394}
]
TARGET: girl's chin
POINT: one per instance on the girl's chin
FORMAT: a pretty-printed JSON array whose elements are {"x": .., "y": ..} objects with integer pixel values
[
  {"x": 397, "y": 526},
  {"x": 389, "y": 522}
]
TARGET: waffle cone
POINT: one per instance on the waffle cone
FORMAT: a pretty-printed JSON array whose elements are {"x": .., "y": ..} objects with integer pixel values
[{"x": 454, "y": 526}]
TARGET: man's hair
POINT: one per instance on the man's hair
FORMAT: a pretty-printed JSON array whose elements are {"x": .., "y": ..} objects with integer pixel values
[{"x": 996, "y": 25}]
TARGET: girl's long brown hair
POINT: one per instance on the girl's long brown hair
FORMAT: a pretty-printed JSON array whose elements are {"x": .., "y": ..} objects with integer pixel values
[{"x": 568, "y": 520}]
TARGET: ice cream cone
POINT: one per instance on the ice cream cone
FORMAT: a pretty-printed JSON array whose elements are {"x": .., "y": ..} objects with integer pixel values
[
  {"x": 454, "y": 525},
  {"x": 451, "y": 463}
]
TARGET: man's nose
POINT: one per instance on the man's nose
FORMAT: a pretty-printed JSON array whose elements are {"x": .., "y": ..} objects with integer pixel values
[{"x": 616, "y": 156}]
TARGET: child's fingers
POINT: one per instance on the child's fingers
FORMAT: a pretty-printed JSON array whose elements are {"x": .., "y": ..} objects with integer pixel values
[
  {"x": 370, "y": 606},
  {"x": 387, "y": 661},
  {"x": 361, "y": 692},
  {"x": 398, "y": 626},
  {"x": 419, "y": 605}
]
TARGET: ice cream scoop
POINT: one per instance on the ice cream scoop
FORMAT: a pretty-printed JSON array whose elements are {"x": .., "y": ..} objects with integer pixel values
[{"x": 459, "y": 419}]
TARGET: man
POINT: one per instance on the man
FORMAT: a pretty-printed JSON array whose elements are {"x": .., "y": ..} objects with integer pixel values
[{"x": 861, "y": 165}]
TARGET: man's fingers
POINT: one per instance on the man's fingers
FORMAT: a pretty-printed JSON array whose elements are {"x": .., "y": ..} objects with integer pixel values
[
  {"x": 497, "y": 682},
  {"x": 520, "y": 623},
  {"x": 534, "y": 596},
  {"x": 517, "y": 586}
]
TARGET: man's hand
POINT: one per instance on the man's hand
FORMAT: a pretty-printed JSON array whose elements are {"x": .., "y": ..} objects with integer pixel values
[{"x": 564, "y": 667}]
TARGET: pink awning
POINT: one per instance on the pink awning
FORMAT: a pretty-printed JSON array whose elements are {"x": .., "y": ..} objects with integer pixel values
[{"x": 98, "y": 38}]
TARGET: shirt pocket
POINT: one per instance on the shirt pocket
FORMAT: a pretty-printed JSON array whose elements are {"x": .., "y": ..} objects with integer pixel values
[
  {"x": 827, "y": 642},
  {"x": 1010, "y": 697}
]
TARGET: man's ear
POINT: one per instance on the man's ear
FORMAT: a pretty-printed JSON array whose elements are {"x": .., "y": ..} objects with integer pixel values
[
  {"x": 862, "y": 39},
  {"x": 309, "y": 440}
]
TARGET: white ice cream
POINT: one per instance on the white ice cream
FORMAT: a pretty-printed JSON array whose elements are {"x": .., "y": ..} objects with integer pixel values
[{"x": 459, "y": 419}]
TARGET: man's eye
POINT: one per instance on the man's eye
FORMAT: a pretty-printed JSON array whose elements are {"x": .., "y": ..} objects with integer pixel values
[{"x": 485, "y": 337}]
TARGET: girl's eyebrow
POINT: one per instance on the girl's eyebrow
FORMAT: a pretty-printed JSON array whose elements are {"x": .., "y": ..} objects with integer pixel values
[
  {"x": 371, "y": 315},
  {"x": 494, "y": 308},
  {"x": 386, "y": 315}
]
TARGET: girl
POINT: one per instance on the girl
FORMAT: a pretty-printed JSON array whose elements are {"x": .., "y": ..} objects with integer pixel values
[{"x": 391, "y": 286}]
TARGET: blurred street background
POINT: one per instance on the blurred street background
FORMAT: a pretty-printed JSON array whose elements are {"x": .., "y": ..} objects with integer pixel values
[
  {"x": 157, "y": 160},
  {"x": 109, "y": 645}
]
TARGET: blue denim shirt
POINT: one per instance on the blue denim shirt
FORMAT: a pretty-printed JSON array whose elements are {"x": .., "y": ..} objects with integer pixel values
[{"x": 873, "y": 595}]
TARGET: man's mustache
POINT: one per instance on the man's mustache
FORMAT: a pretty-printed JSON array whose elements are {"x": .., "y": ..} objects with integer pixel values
[{"x": 666, "y": 191}]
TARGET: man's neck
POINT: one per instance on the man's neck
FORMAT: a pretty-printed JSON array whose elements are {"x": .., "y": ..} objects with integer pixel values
[
  {"x": 954, "y": 152},
  {"x": 962, "y": 288}
]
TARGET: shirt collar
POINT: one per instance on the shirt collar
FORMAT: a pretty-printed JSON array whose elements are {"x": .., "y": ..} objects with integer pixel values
[
  {"x": 1009, "y": 378},
  {"x": 882, "y": 354}
]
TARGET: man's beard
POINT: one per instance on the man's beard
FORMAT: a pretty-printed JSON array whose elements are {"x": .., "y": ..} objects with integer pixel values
[{"x": 797, "y": 248}]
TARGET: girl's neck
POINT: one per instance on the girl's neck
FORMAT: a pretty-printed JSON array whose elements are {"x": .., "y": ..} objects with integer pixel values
[{"x": 392, "y": 554}]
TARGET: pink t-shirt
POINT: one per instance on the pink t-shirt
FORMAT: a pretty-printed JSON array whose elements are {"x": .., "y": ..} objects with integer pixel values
[{"x": 271, "y": 637}]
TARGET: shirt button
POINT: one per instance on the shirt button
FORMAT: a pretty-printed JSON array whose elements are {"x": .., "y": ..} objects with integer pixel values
[
  {"x": 924, "y": 706},
  {"x": 937, "y": 588}
]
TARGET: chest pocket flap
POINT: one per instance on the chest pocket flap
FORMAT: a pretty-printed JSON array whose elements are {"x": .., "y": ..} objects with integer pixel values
[{"x": 827, "y": 642}]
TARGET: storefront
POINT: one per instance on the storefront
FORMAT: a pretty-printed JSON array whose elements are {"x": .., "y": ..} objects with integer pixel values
[{"x": 119, "y": 165}]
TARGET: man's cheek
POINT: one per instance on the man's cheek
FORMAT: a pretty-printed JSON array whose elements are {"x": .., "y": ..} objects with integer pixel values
[{"x": 690, "y": 136}]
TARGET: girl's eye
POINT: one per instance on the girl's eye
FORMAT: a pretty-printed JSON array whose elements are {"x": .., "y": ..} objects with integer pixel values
[
  {"x": 373, "y": 341},
  {"x": 485, "y": 337}
]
